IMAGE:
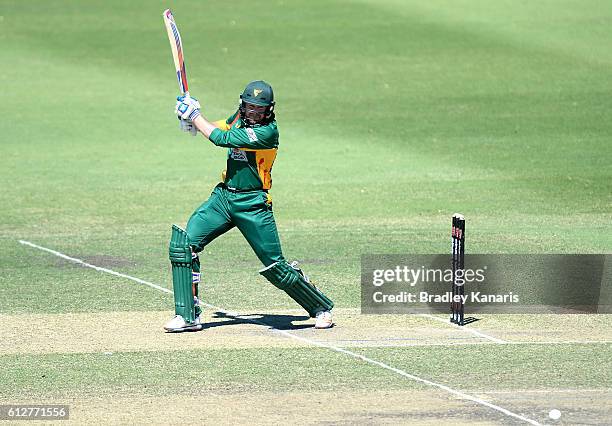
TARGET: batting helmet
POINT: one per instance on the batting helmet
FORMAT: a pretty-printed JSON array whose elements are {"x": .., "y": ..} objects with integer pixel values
[{"x": 258, "y": 93}]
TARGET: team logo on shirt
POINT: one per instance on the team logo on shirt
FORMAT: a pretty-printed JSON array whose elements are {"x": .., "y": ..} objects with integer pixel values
[{"x": 238, "y": 154}]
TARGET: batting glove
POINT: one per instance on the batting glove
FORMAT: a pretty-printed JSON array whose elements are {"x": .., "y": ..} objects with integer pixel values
[
  {"x": 187, "y": 108},
  {"x": 188, "y": 126}
]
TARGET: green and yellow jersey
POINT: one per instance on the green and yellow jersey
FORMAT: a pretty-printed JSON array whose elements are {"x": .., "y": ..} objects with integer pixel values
[{"x": 251, "y": 153}]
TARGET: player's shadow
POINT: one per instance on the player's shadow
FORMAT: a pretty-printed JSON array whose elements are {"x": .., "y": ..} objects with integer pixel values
[{"x": 278, "y": 322}]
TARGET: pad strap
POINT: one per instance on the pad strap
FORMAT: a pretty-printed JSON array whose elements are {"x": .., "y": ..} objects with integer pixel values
[{"x": 195, "y": 268}]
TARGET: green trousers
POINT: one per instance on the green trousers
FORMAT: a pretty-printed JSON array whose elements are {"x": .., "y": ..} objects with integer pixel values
[{"x": 250, "y": 212}]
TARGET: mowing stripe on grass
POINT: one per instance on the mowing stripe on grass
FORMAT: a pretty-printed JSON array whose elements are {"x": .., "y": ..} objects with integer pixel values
[{"x": 403, "y": 373}]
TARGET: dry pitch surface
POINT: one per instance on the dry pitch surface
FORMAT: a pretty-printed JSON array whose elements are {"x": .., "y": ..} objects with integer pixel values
[
  {"x": 521, "y": 88},
  {"x": 273, "y": 367}
]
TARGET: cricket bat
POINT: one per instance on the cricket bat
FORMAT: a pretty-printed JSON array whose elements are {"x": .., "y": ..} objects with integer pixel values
[{"x": 177, "y": 51}]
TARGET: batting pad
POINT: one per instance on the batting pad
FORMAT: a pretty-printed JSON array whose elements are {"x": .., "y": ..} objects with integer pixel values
[
  {"x": 288, "y": 279},
  {"x": 181, "y": 260}
]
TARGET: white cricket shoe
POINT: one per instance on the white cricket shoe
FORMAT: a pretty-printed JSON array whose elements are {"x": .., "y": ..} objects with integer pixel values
[
  {"x": 179, "y": 324},
  {"x": 324, "y": 320}
]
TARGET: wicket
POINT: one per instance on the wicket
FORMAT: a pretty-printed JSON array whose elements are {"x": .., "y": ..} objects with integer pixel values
[{"x": 457, "y": 263}]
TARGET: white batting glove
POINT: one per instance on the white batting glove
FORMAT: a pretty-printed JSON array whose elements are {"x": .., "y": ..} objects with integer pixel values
[
  {"x": 187, "y": 108},
  {"x": 188, "y": 126}
]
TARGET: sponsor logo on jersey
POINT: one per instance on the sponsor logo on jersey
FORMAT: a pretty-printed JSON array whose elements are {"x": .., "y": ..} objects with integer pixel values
[
  {"x": 238, "y": 154},
  {"x": 251, "y": 134}
]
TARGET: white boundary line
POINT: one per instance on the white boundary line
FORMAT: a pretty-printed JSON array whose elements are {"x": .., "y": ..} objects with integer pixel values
[
  {"x": 466, "y": 329},
  {"x": 403, "y": 373}
]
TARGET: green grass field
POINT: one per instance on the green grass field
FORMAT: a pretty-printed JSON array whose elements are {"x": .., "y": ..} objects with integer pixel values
[{"x": 392, "y": 116}]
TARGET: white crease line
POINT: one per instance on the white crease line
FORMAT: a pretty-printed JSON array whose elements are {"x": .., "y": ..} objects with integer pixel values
[
  {"x": 466, "y": 329},
  {"x": 544, "y": 391},
  {"x": 565, "y": 342},
  {"x": 455, "y": 392},
  {"x": 358, "y": 344},
  {"x": 291, "y": 311},
  {"x": 97, "y": 268}
]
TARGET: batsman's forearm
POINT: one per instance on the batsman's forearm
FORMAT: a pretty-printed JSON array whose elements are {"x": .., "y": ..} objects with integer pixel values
[{"x": 204, "y": 126}]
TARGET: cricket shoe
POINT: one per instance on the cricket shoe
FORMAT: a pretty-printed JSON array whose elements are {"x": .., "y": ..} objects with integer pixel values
[
  {"x": 324, "y": 320},
  {"x": 178, "y": 324}
]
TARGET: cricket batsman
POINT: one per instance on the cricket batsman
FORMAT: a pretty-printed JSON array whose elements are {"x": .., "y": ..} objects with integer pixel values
[{"x": 241, "y": 200}]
